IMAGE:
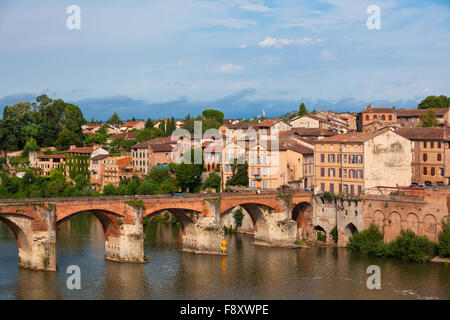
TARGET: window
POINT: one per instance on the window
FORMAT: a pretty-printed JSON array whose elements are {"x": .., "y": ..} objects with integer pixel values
[
  {"x": 322, "y": 187},
  {"x": 352, "y": 189},
  {"x": 340, "y": 173},
  {"x": 367, "y": 117},
  {"x": 264, "y": 184},
  {"x": 431, "y": 144},
  {"x": 439, "y": 144},
  {"x": 345, "y": 188},
  {"x": 322, "y": 157},
  {"x": 433, "y": 171},
  {"x": 340, "y": 188},
  {"x": 390, "y": 117},
  {"x": 359, "y": 190},
  {"x": 425, "y": 171},
  {"x": 332, "y": 187},
  {"x": 424, "y": 144},
  {"x": 322, "y": 172},
  {"x": 425, "y": 157},
  {"x": 383, "y": 117},
  {"x": 439, "y": 157}
]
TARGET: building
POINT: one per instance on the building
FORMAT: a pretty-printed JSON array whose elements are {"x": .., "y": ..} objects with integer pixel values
[
  {"x": 311, "y": 121},
  {"x": 272, "y": 127},
  {"x": 78, "y": 159},
  {"x": 428, "y": 154},
  {"x": 372, "y": 119},
  {"x": 272, "y": 165},
  {"x": 49, "y": 162},
  {"x": 350, "y": 163},
  {"x": 124, "y": 135},
  {"x": 147, "y": 155},
  {"x": 106, "y": 169},
  {"x": 411, "y": 117},
  {"x": 447, "y": 159},
  {"x": 137, "y": 125},
  {"x": 313, "y": 133}
]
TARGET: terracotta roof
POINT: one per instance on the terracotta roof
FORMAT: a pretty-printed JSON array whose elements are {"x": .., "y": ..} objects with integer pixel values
[
  {"x": 418, "y": 112},
  {"x": 313, "y": 132},
  {"x": 243, "y": 126},
  {"x": 127, "y": 159},
  {"x": 131, "y": 123},
  {"x": 100, "y": 157},
  {"x": 164, "y": 147},
  {"x": 51, "y": 156},
  {"x": 370, "y": 109},
  {"x": 81, "y": 150},
  {"x": 297, "y": 147},
  {"x": 422, "y": 133},
  {"x": 353, "y": 137}
]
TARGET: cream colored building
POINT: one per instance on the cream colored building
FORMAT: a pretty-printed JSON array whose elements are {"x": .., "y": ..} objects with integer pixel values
[{"x": 354, "y": 162}]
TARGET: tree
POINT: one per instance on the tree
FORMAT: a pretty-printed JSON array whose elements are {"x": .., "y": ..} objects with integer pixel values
[
  {"x": 434, "y": 102},
  {"x": 149, "y": 134},
  {"x": 302, "y": 110},
  {"x": 149, "y": 123},
  {"x": 213, "y": 114},
  {"x": 429, "y": 119},
  {"x": 66, "y": 138},
  {"x": 444, "y": 239},
  {"x": 109, "y": 190},
  {"x": 147, "y": 187},
  {"x": 213, "y": 182},
  {"x": 115, "y": 119},
  {"x": 168, "y": 186},
  {"x": 189, "y": 174},
  {"x": 158, "y": 175},
  {"x": 240, "y": 174}
]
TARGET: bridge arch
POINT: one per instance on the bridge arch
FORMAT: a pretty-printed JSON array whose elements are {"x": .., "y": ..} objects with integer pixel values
[
  {"x": 256, "y": 211},
  {"x": 12, "y": 221},
  {"x": 185, "y": 216},
  {"x": 302, "y": 213},
  {"x": 378, "y": 219},
  {"x": 109, "y": 220},
  {"x": 394, "y": 226},
  {"x": 430, "y": 227},
  {"x": 412, "y": 222}
]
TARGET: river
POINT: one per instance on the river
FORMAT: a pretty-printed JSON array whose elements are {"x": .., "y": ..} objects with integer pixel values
[{"x": 248, "y": 272}]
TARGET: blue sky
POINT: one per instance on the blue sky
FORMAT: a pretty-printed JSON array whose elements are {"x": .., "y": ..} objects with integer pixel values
[{"x": 159, "y": 58}]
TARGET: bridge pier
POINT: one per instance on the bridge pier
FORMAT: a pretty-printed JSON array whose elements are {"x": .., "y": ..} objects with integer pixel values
[
  {"x": 275, "y": 229},
  {"x": 204, "y": 236},
  {"x": 40, "y": 255},
  {"x": 128, "y": 244}
]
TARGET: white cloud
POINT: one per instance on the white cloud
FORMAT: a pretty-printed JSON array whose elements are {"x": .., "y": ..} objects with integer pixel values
[
  {"x": 255, "y": 6},
  {"x": 280, "y": 43},
  {"x": 231, "y": 23},
  {"x": 229, "y": 68},
  {"x": 242, "y": 46},
  {"x": 328, "y": 55}
]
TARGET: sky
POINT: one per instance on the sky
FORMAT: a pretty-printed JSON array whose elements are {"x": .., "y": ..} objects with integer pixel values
[{"x": 148, "y": 58}]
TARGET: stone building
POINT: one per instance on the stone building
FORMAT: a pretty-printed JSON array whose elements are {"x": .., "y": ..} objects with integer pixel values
[
  {"x": 411, "y": 117},
  {"x": 428, "y": 150},
  {"x": 372, "y": 119},
  {"x": 352, "y": 162},
  {"x": 49, "y": 162}
]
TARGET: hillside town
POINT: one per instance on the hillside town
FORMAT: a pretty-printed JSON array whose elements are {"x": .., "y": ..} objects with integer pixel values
[{"x": 341, "y": 153}]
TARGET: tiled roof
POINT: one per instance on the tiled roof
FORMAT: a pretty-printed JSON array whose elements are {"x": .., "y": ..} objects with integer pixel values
[
  {"x": 313, "y": 132},
  {"x": 370, "y": 109},
  {"x": 353, "y": 137},
  {"x": 100, "y": 157},
  {"x": 126, "y": 135},
  {"x": 422, "y": 133},
  {"x": 131, "y": 123},
  {"x": 81, "y": 150},
  {"x": 51, "y": 156},
  {"x": 164, "y": 147},
  {"x": 418, "y": 112},
  {"x": 243, "y": 126},
  {"x": 297, "y": 147}
]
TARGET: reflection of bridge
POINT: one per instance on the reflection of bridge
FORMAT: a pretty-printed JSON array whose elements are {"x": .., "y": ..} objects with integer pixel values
[{"x": 35, "y": 222}]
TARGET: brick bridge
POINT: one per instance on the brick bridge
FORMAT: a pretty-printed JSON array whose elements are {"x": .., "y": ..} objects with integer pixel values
[
  {"x": 421, "y": 214},
  {"x": 35, "y": 222}
]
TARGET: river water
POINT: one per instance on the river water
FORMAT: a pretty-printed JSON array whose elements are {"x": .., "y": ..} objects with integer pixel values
[{"x": 248, "y": 272}]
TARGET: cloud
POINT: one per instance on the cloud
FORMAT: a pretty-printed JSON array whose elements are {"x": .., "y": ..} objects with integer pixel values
[
  {"x": 328, "y": 55},
  {"x": 229, "y": 68},
  {"x": 254, "y": 6},
  {"x": 231, "y": 23},
  {"x": 281, "y": 42},
  {"x": 242, "y": 46}
]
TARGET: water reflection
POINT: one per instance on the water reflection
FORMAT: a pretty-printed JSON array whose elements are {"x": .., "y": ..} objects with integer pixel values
[{"x": 248, "y": 272}]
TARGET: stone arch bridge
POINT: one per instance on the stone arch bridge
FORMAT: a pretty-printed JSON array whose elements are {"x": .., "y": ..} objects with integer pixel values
[{"x": 35, "y": 223}]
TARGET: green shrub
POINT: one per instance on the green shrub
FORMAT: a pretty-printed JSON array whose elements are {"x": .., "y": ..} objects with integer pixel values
[
  {"x": 321, "y": 236},
  {"x": 410, "y": 247},
  {"x": 334, "y": 234},
  {"x": 444, "y": 239},
  {"x": 369, "y": 241}
]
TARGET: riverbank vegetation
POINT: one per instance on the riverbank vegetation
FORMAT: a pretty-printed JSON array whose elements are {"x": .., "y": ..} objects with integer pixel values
[{"x": 407, "y": 246}]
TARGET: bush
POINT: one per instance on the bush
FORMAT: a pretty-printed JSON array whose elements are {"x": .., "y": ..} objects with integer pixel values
[
  {"x": 334, "y": 234},
  {"x": 444, "y": 239},
  {"x": 369, "y": 241},
  {"x": 410, "y": 247},
  {"x": 321, "y": 236}
]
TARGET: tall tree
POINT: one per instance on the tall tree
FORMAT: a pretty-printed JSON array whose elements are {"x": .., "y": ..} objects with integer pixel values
[
  {"x": 429, "y": 119},
  {"x": 434, "y": 102},
  {"x": 302, "y": 110},
  {"x": 115, "y": 119}
]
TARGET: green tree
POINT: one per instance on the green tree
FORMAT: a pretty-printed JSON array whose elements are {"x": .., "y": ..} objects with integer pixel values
[
  {"x": 240, "y": 174},
  {"x": 238, "y": 217},
  {"x": 213, "y": 114},
  {"x": 434, "y": 102},
  {"x": 147, "y": 187},
  {"x": 213, "y": 182},
  {"x": 302, "y": 110},
  {"x": 158, "y": 175},
  {"x": 429, "y": 119},
  {"x": 149, "y": 123},
  {"x": 66, "y": 138},
  {"x": 168, "y": 186},
  {"x": 109, "y": 190},
  {"x": 444, "y": 239},
  {"x": 115, "y": 119}
]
